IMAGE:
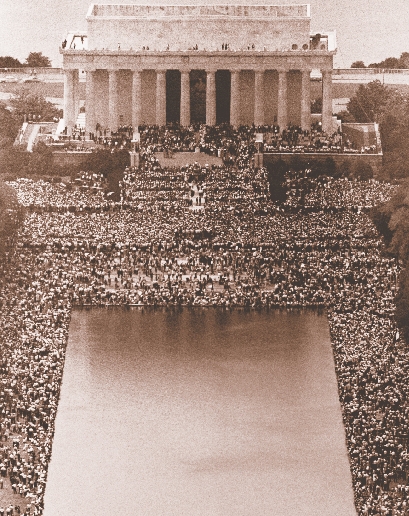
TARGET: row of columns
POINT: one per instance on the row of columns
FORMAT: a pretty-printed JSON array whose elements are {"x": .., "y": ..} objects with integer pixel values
[{"x": 71, "y": 99}]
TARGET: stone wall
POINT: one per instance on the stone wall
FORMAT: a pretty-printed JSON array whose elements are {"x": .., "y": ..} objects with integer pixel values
[
  {"x": 375, "y": 160},
  {"x": 64, "y": 158},
  {"x": 208, "y": 27}
]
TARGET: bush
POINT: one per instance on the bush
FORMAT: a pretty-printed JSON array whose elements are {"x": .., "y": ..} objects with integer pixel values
[{"x": 362, "y": 170}]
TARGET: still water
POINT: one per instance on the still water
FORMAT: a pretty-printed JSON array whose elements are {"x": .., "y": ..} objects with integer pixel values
[{"x": 199, "y": 413}]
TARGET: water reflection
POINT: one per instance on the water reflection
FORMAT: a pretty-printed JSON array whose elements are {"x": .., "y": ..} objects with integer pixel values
[{"x": 199, "y": 412}]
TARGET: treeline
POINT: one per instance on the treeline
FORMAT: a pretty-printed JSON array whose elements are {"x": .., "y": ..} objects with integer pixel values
[
  {"x": 389, "y": 62},
  {"x": 33, "y": 60}
]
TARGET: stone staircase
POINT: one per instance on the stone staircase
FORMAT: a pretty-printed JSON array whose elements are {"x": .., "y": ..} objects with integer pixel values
[
  {"x": 60, "y": 127},
  {"x": 32, "y": 137},
  {"x": 81, "y": 120}
]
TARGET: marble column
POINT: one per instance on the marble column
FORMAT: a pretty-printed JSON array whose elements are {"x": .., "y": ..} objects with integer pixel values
[
  {"x": 113, "y": 100},
  {"x": 69, "y": 100},
  {"x": 185, "y": 98},
  {"x": 235, "y": 98},
  {"x": 90, "y": 121},
  {"x": 305, "y": 100},
  {"x": 211, "y": 98},
  {"x": 258, "y": 98},
  {"x": 282, "y": 110},
  {"x": 76, "y": 94},
  {"x": 327, "y": 101},
  {"x": 161, "y": 98},
  {"x": 136, "y": 100}
]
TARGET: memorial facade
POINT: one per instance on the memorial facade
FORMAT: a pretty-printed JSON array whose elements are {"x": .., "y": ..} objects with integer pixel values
[{"x": 154, "y": 64}]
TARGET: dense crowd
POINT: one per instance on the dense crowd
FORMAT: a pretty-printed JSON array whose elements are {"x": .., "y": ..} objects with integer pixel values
[
  {"x": 319, "y": 249},
  {"x": 222, "y": 140},
  {"x": 44, "y": 195},
  {"x": 329, "y": 193}
]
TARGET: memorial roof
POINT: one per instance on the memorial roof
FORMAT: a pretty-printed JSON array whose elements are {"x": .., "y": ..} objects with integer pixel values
[{"x": 201, "y": 11}]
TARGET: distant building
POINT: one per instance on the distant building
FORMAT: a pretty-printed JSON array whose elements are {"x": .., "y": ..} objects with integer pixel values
[{"x": 150, "y": 63}]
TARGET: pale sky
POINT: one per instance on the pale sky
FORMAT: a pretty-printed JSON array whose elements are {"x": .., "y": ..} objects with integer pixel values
[{"x": 367, "y": 30}]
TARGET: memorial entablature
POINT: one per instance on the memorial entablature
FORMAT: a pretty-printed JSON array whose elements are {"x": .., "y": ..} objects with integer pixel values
[{"x": 151, "y": 64}]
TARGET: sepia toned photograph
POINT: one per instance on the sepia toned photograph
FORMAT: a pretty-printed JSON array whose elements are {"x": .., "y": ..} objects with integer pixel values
[{"x": 204, "y": 258}]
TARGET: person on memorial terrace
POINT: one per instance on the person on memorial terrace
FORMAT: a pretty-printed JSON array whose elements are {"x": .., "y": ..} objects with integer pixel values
[
  {"x": 224, "y": 140},
  {"x": 318, "y": 249}
]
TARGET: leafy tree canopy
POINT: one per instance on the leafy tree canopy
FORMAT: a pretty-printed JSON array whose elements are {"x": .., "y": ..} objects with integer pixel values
[
  {"x": 396, "y": 213},
  {"x": 41, "y": 159},
  {"x": 9, "y": 126},
  {"x": 10, "y": 62},
  {"x": 37, "y": 60},
  {"x": 28, "y": 103},
  {"x": 392, "y": 62},
  {"x": 369, "y": 102},
  {"x": 346, "y": 117},
  {"x": 358, "y": 64}
]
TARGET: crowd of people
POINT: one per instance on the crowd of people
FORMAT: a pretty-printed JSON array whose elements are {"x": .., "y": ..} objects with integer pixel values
[
  {"x": 222, "y": 140},
  {"x": 329, "y": 193},
  {"x": 152, "y": 248},
  {"x": 43, "y": 195}
]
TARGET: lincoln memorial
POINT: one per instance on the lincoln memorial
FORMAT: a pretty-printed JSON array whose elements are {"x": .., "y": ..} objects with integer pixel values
[{"x": 226, "y": 63}]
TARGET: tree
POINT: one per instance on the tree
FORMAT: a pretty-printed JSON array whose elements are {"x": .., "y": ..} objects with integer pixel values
[
  {"x": 369, "y": 102},
  {"x": 37, "y": 60},
  {"x": 34, "y": 106},
  {"x": 396, "y": 213},
  {"x": 346, "y": 117},
  {"x": 389, "y": 62},
  {"x": 10, "y": 62},
  {"x": 358, "y": 64},
  {"x": 14, "y": 162},
  {"x": 362, "y": 170},
  {"x": 394, "y": 128},
  {"x": 405, "y": 59},
  {"x": 41, "y": 160},
  {"x": 8, "y": 127},
  {"x": 393, "y": 62}
]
